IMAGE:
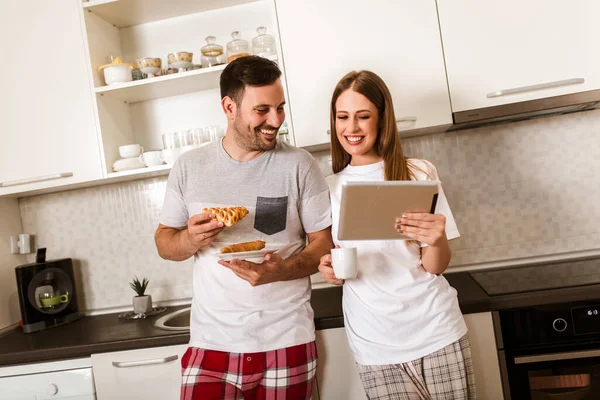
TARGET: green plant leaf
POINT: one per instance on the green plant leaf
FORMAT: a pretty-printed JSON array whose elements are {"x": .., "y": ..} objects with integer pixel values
[{"x": 139, "y": 287}]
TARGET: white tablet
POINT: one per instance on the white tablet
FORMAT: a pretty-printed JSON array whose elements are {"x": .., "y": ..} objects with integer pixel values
[{"x": 368, "y": 210}]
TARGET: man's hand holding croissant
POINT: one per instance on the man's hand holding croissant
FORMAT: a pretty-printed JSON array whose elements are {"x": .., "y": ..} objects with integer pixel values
[{"x": 202, "y": 230}]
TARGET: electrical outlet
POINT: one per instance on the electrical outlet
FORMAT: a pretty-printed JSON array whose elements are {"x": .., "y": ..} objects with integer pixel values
[{"x": 14, "y": 246}]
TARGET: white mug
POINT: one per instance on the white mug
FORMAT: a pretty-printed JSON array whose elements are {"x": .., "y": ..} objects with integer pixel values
[
  {"x": 130, "y": 150},
  {"x": 152, "y": 158},
  {"x": 345, "y": 262}
]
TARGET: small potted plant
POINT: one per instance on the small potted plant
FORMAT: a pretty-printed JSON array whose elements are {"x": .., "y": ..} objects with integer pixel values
[{"x": 142, "y": 303}]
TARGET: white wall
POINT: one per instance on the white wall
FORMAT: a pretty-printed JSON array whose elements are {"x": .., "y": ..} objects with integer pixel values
[{"x": 10, "y": 224}]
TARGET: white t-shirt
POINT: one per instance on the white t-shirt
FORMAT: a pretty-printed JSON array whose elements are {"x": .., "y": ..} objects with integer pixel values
[
  {"x": 286, "y": 196},
  {"x": 394, "y": 310}
]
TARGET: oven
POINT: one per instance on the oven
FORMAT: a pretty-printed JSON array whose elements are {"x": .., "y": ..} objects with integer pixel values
[{"x": 550, "y": 351}]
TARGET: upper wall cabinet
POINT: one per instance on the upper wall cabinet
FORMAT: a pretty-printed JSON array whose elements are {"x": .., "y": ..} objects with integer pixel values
[
  {"x": 399, "y": 40},
  {"x": 49, "y": 132},
  {"x": 62, "y": 123},
  {"x": 509, "y": 51}
]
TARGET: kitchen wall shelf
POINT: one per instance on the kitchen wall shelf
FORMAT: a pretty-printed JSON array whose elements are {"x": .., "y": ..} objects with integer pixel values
[
  {"x": 164, "y": 86},
  {"x": 142, "y": 172},
  {"x": 125, "y": 13}
]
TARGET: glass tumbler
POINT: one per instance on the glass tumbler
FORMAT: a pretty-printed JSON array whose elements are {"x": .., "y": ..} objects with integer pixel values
[
  {"x": 214, "y": 132},
  {"x": 170, "y": 140}
]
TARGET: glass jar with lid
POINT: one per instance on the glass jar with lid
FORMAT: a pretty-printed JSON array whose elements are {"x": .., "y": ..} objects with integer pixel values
[
  {"x": 212, "y": 54},
  {"x": 263, "y": 45},
  {"x": 238, "y": 47}
]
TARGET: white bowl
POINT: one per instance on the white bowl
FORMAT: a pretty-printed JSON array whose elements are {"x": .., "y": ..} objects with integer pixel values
[
  {"x": 150, "y": 71},
  {"x": 117, "y": 74},
  {"x": 150, "y": 66},
  {"x": 180, "y": 60}
]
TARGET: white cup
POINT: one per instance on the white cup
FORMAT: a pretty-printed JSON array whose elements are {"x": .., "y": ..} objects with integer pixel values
[
  {"x": 152, "y": 158},
  {"x": 130, "y": 150},
  {"x": 345, "y": 262},
  {"x": 170, "y": 155}
]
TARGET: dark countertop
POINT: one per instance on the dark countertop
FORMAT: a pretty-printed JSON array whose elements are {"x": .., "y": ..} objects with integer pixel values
[
  {"x": 81, "y": 338},
  {"x": 107, "y": 333}
]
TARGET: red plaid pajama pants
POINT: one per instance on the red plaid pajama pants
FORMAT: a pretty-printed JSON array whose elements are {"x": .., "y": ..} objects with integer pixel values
[{"x": 284, "y": 374}]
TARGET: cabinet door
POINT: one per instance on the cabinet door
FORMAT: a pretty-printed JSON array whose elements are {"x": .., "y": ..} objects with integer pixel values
[
  {"x": 485, "y": 356},
  {"x": 495, "y": 46},
  {"x": 148, "y": 374},
  {"x": 400, "y": 41},
  {"x": 47, "y": 110},
  {"x": 337, "y": 374}
]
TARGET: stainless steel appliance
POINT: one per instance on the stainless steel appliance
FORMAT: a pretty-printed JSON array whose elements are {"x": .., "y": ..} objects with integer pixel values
[{"x": 549, "y": 345}]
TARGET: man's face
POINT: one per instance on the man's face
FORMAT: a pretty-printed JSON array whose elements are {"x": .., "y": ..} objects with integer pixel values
[{"x": 258, "y": 117}]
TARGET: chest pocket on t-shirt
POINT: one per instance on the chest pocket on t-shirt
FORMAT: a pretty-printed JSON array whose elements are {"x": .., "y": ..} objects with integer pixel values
[{"x": 271, "y": 214}]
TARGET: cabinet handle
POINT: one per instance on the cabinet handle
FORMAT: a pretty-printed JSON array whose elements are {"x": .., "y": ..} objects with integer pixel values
[
  {"x": 531, "y": 88},
  {"x": 36, "y": 179},
  {"x": 571, "y": 355},
  {"x": 129, "y": 364},
  {"x": 407, "y": 119},
  {"x": 403, "y": 119}
]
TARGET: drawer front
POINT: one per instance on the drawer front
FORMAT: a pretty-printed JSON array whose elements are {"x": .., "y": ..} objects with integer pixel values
[
  {"x": 153, "y": 373},
  {"x": 51, "y": 385}
]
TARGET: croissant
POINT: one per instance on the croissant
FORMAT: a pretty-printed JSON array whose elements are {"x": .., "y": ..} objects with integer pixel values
[
  {"x": 229, "y": 216},
  {"x": 246, "y": 246}
]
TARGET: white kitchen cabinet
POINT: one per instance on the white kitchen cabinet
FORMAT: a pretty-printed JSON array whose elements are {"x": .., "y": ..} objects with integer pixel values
[
  {"x": 400, "y": 41},
  {"x": 337, "y": 374},
  {"x": 151, "y": 373},
  {"x": 492, "y": 47},
  {"x": 49, "y": 133},
  {"x": 485, "y": 356}
]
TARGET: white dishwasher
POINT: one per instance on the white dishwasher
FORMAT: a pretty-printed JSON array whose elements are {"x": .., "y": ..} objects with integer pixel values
[{"x": 69, "y": 379}]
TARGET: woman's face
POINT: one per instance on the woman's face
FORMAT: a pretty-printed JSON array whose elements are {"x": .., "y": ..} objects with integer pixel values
[{"x": 356, "y": 126}]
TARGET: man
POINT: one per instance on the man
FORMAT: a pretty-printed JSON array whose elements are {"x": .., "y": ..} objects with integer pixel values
[{"x": 252, "y": 329}]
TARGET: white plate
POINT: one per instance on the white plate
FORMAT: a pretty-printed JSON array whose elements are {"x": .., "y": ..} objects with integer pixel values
[
  {"x": 125, "y": 164},
  {"x": 256, "y": 256}
]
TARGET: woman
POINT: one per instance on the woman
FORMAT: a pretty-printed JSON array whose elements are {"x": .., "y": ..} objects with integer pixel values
[{"x": 402, "y": 317}]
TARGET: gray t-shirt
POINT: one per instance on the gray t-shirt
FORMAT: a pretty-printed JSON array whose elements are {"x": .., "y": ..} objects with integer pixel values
[{"x": 286, "y": 196}]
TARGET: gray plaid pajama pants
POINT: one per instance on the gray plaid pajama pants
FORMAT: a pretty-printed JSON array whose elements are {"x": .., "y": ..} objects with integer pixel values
[{"x": 446, "y": 374}]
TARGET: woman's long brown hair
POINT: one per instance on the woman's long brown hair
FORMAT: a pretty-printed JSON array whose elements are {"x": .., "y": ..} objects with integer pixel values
[{"x": 387, "y": 145}]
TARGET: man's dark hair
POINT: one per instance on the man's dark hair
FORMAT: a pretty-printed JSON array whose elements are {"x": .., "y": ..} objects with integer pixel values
[{"x": 247, "y": 71}]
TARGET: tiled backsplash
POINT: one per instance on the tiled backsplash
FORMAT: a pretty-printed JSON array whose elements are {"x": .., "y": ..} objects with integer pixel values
[{"x": 517, "y": 190}]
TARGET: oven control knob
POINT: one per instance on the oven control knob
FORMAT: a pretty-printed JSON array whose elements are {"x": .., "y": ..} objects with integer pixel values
[{"x": 559, "y": 325}]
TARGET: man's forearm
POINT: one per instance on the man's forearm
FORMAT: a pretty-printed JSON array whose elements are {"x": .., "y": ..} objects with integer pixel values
[
  {"x": 306, "y": 262},
  {"x": 173, "y": 244}
]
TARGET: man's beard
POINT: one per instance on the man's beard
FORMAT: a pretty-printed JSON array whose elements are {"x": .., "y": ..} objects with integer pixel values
[{"x": 252, "y": 141}]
